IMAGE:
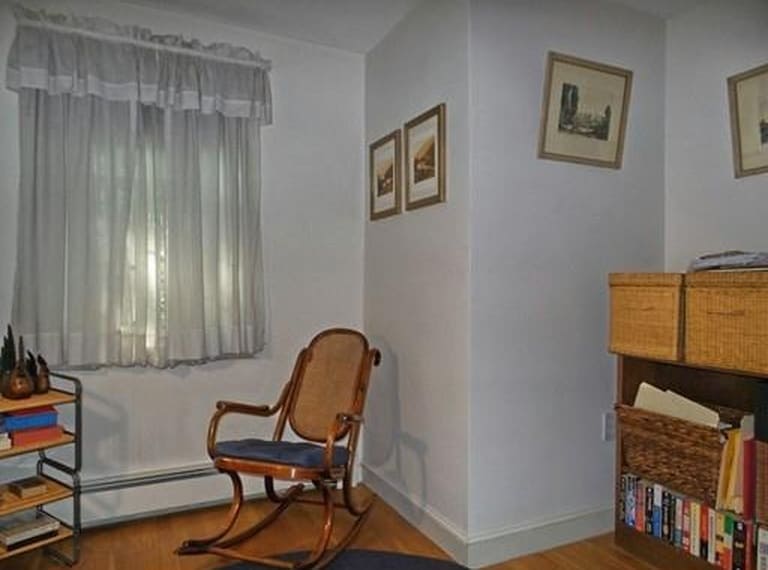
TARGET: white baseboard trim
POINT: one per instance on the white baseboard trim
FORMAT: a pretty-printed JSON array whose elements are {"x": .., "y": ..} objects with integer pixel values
[
  {"x": 492, "y": 547},
  {"x": 424, "y": 518},
  {"x": 513, "y": 542}
]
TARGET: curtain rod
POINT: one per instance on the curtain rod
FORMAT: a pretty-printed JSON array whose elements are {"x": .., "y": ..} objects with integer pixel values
[{"x": 258, "y": 63}]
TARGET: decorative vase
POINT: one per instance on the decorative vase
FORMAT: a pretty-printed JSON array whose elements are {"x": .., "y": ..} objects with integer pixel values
[{"x": 18, "y": 385}]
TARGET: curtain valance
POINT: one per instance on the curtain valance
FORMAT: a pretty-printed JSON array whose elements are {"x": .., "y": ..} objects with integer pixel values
[{"x": 91, "y": 56}]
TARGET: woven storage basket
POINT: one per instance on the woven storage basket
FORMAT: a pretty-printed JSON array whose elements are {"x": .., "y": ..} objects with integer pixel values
[
  {"x": 678, "y": 454},
  {"x": 727, "y": 320},
  {"x": 646, "y": 311}
]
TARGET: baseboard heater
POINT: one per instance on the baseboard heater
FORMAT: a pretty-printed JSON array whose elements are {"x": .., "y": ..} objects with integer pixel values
[{"x": 118, "y": 482}]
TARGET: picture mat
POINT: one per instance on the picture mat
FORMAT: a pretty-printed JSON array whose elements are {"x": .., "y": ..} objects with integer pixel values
[
  {"x": 752, "y": 103},
  {"x": 384, "y": 153},
  {"x": 416, "y": 137},
  {"x": 599, "y": 89}
]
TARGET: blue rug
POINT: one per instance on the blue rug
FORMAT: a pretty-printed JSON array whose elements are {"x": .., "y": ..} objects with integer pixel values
[{"x": 367, "y": 560}]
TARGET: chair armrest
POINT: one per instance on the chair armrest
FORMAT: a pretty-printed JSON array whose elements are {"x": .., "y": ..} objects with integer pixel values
[
  {"x": 340, "y": 423},
  {"x": 241, "y": 408},
  {"x": 225, "y": 407}
]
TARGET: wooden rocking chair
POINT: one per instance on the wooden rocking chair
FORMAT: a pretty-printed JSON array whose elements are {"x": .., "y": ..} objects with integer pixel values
[{"x": 323, "y": 401}]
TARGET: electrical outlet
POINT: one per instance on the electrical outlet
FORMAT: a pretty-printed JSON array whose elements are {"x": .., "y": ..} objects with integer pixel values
[{"x": 609, "y": 426}]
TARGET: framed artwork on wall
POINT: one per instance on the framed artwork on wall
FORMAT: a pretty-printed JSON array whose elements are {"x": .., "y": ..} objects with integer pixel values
[
  {"x": 748, "y": 99},
  {"x": 384, "y": 160},
  {"x": 584, "y": 112},
  {"x": 425, "y": 159}
]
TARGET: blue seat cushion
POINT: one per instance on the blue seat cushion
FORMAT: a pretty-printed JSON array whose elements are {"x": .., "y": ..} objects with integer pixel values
[{"x": 286, "y": 452}]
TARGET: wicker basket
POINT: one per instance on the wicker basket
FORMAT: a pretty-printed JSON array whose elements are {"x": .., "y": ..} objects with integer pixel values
[
  {"x": 727, "y": 320},
  {"x": 683, "y": 456},
  {"x": 646, "y": 311}
]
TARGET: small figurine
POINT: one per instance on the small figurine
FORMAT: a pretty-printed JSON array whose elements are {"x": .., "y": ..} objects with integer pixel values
[{"x": 43, "y": 381}]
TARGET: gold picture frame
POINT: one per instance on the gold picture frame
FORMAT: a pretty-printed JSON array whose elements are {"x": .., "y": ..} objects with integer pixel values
[
  {"x": 384, "y": 176},
  {"x": 748, "y": 102},
  {"x": 425, "y": 158},
  {"x": 584, "y": 112}
]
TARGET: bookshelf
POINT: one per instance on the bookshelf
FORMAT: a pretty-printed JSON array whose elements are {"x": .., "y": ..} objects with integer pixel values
[
  {"x": 62, "y": 478},
  {"x": 702, "y": 336}
]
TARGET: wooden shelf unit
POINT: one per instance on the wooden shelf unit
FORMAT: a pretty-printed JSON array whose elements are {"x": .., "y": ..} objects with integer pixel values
[
  {"x": 705, "y": 385},
  {"x": 67, "y": 391},
  {"x": 702, "y": 335}
]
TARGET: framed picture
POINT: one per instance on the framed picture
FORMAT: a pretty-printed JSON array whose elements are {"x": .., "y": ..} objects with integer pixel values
[
  {"x": 584, "y": 113},
  {"x": 748, "y": 97},
  {"x": 425, "y": 159},
  {"x": 384, "y": 161}
]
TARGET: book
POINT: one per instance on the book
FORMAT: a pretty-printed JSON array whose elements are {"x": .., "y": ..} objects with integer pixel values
[
  {"x": 739, "y": 561},
  {"x": 38, "y": 435},
  {"x": 31, "y": 418},
  {"x": 648, "y": 514},
  {"x": 712, "y": 538},
  {"x": 639, "y": 492},
  {"x": 720, "y": 539},
  {"x": 24, "y": 527},
  {"x": 727, "y": 560},
  {"x": 657, "y": 509},
  {"x": 28, "y": 487},
  {"x": 678, "y": 521},
  {"x": 704, "y": 532},
  {"x": 762, "y": 548},
  {"x": 686, "y": 542},
  {"x": 695, "y": 548}
]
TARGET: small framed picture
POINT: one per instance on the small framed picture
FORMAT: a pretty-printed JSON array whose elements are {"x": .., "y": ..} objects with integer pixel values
[
  {"x": 384, "y": 159},
  {"x": 425, "y": 159},
  {"x": 584, "y": 112},
  {"x": 748, "y": 98}
]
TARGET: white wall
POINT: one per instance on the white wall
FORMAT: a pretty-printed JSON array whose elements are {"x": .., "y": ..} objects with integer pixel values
[
  {"x": 708, "y": 209},
  {"x": 544, "y": 236},
  {"x": 144, "y": 419},
  {"x": 416, "y": 283}
]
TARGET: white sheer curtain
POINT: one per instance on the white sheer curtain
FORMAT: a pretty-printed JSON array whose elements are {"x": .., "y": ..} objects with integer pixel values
[{"x": 139, "y": 239}]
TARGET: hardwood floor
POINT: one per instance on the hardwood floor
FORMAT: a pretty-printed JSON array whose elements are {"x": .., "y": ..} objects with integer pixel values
[{"x": 148, "y": 544}]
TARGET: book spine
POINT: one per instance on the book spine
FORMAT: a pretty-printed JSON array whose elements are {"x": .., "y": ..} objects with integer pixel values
[
  {"x": 728, "y": 542},
  {"x": 712, "y": 539},
  {"x": 695, "y": 548},
  {"x": 657, "y": 492},
  {"x": 720, "y": 539},
  {"x": 678, "y": 521},
  {"x": 762, "y": 548},
  {"x": 704, "y": 532},
  {"x": 15, "y": 423},
  {"x": 630, "y": 501},
  {"x": 739, "y": 546},
  {"x": 749, "y": 478},
  {"x": 649, "y": 509},
  {"x": 686, "y": 542},
  {"x": 665, "y": 515},
  {"x": 27, "y": 437}
]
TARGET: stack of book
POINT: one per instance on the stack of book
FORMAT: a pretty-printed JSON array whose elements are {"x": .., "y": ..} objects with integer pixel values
[
  {"x": 19, "y": 531},
  {"x": 722, "y": 538},
  {"x": 34, "y": 425}
]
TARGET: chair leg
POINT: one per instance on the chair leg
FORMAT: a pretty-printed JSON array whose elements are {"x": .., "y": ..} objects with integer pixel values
[
  {"x": 317, "y": 554},
  {"x": 350, "y": 503},
  {"x": 196, "y": 546}
]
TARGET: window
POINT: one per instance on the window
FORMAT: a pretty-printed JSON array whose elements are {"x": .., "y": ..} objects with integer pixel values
[{"x": 139, "y": 239}]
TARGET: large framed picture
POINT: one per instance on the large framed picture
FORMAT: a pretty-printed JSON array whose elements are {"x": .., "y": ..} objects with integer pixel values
[
  {"x": 384, "y": 176},
  {"x": 425, "y": 159},
  {"x": 748, "y": 98},
  {"x": 584, "y": 112}
]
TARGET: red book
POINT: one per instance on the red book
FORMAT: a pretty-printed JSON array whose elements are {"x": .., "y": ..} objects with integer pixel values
[
  {"x": 704, "y": 532},
  {"x": 32, "y": 436},
  {"x": 30, "y": 411},
  {"x": 686, "y": 525}
]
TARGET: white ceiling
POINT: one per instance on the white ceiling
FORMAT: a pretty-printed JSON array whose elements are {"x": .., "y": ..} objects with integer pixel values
[
  {"x": 351, "y": 25},
  {"x": 662, "y": 8}
]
